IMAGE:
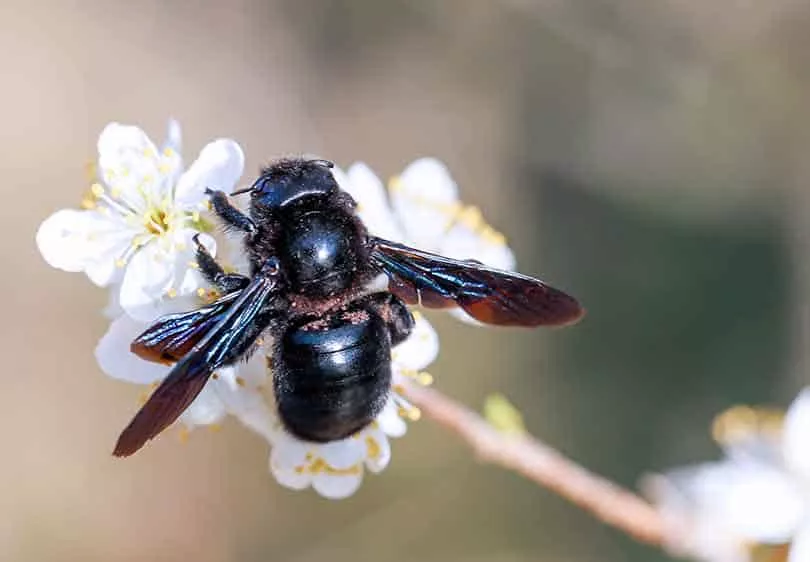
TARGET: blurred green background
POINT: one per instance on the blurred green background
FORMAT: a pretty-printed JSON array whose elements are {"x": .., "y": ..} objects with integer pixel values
[{"x": 649, "y": 156}]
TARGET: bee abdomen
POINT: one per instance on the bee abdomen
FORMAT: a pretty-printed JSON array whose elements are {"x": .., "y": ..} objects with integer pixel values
[{"x": 332, "y": 375}]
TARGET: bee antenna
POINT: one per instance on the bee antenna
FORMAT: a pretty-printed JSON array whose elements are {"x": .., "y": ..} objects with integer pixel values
[{"x": 244, "y": 190}]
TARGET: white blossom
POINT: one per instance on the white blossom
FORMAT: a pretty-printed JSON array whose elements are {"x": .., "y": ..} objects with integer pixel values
[
  {"x": 421, "y": 208},
  {"x": 135, "y": 235},
  {"x": 759, "y": 493},
  {"x": 234, "y": 390},
  {"x": 135, "y": 230}
]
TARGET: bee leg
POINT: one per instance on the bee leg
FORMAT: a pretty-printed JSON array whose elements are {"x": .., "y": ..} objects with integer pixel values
[
  {"x": 214, "y": 274},
  {"x": 233, "y": 217},
  {"x": 390, "y": 308}
]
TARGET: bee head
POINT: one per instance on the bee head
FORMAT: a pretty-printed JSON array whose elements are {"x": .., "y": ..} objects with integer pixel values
[{"x": 288, "y": 181}]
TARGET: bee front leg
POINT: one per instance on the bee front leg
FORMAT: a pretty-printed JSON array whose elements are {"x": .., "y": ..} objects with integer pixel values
[
  {"x": 215, "y": 274},
  {"x": 230, "y": 215}
]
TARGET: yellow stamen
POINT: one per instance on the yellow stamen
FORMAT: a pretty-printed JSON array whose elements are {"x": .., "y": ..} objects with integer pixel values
[
  {"x": 740, "y": 422},
  {"x": 373, "y": 449}
]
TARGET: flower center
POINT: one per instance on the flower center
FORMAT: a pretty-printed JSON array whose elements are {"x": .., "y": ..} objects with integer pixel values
[{"x": 156, "y": 221}]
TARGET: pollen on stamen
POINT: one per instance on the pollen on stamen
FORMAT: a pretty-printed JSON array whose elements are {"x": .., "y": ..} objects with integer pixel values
[
  {"x": 171, "y": 293},
  {"x": 412, "y": 413},
  {"x": 740, "y": 422},
  {"x": 373, "y": 449},
  {"x": 241, "y": 382},
  {"x": 471, "y": 217},
  {"x": 97, "y": 189},
  {"x": 493, "y": 237}
]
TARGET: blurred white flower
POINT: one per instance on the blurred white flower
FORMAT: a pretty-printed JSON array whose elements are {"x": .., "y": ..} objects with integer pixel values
[
  {"x": 234, "y": 390},
  {"x": 758, "y": 494},
  {"x": 335, "y": 470},
  {"x": 421, "y": 208},
  {"x": 136, "y": 227}
]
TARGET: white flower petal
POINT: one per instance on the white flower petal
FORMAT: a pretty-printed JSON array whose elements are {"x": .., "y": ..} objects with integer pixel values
[
  {"x": 800, "y": 547},
  {"x": 113, "y": 309},
  {"x": 287, "y": 464},
  {"x": 291, "y": 452},
  {"x": 171, "y": 161},
  {"x": 290, "y": 478},
  {"x": 425, "y": 199},
  {"x": 61, "y": 239},
  {"x": 130, "y": 164},
  {"x": 693, "y": 529},
  {"x": 208, "y": 408},
  {"x": 148, "y": 277},
  {"x": 337, "y": 486},
  {"x": 243, "y": 399},
  {"x": 116, "y": 360},
  {"x": 174, "y": 137},
  {"x": 341, "y": 454},
  {"x": 390, "y": 422},
  {"x": 378, "y": 450},
  {"x": 252, "y": 411},
  {"x": 373, "y": 206},
  {"x": 77, "y": 240},
  {"x": 105, "y": 271},
  {"x": 420, "y": 349},
  {"x": 219, "y": 166},
  {"x": 796, "y": 435},
  {"x": 482, "y": 243},
  {"x": 760, "y": 503}
]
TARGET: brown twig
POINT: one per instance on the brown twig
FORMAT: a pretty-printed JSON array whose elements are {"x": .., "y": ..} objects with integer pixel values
[{"x": 538, "y": 462}]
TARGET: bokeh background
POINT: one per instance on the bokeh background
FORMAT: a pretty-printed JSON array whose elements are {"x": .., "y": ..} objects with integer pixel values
[{"x": 650, "y": 156}]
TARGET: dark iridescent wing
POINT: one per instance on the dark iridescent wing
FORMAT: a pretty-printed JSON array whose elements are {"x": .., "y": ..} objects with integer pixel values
[
  {"x": 173, "y": 336},
  {"x": 231, "y": 337},
  {"x": 489, "y": 295}
]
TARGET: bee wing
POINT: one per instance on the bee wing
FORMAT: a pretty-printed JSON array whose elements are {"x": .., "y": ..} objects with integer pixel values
[
  {"x": 489, "y": 295},
  {"x": 231, "y": 337},
  {"x": 174, "y": 335}
]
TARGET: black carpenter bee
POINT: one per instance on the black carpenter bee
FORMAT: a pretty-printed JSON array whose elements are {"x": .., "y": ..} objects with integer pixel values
[{"x": 311, "y": 261}]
